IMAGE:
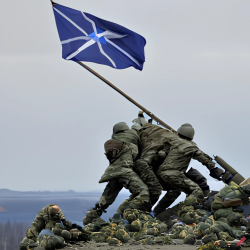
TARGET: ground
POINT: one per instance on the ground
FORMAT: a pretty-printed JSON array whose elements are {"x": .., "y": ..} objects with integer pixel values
[{"x": 104, "y": 246}]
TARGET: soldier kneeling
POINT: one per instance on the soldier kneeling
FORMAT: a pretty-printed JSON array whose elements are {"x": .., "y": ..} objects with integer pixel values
[{"x": 47, "y": 231}]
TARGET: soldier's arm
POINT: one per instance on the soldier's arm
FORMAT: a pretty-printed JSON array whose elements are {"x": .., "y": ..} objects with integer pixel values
[
  {"x": 65, "y": 222},
  {"x": 37, "y": 226},
  {"x": 204, "y": 159},
  {"x": 136, "y": 127}
]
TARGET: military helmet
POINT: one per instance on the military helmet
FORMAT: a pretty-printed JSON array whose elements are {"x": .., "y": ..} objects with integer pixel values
[
  {"x": 186, "y": 130},
  {"x": 120, "y": 126},
  {"x": 66, "y": 234}
]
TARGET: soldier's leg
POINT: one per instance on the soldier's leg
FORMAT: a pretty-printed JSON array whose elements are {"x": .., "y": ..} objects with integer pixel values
[
  {"x": 139, "y": 198},
  {"x": 37, "y": 226},
  {"x": 194, "y": 175},
  {"x": 180, "y": 182},
  {"x": 145, "y": 171},
  {"x": 109, "y": 195},
  {"x": 25, "y": 243},
  {"x": 166, "y": 201}
]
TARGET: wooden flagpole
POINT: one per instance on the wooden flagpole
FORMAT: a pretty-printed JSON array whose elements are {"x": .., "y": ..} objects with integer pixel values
[{"x": 127, "y": 97}]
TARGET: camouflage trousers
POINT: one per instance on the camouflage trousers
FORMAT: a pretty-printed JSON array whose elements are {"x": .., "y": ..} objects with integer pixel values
[
  {"x": 120, "y": 174},
  {"x": 171, "y": 195},
  {"x": 33, "y": 231},
  {"x": 139, "y": 198},
  {"x": 176, "y": 180},
  {"x": 27, "y": 244},
  {"x": 143, "y": 167},
  {"x": 49, "y": 242},
  {"x": 166, "y": 201}
]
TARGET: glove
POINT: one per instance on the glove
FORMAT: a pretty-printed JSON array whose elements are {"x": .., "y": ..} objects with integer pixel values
[
  {"x": 99, "y": 209},
  {"x": 216, "y": 173},
  {"x": 140, "y": 120},
  {"x": 140, "y": 114}
]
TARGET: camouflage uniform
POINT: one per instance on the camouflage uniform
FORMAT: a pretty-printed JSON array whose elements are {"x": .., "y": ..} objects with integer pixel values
[
  {"x": 46, "y": 219},
  {"x": 155, "y": 144},
  {"x": 120, "y": 174},
  {"x": 171, "y": 195},
  {"x": 50, "y": 219},
  {"x": 172, "y": 171},
  {"x": 151, "y": 142}
]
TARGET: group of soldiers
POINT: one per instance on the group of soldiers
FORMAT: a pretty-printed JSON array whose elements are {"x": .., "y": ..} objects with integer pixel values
[{"x": 147, "y": 159}]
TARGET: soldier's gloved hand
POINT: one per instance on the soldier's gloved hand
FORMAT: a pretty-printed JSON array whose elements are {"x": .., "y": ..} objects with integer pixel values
[
  {"x": 140, "y": 120},
  {"x": 140, "y": 114},
  {"x": 162, "y": 154},
  {"x": 216, "y": 173}
]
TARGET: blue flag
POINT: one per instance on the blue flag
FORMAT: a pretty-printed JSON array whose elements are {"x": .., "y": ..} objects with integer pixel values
[{"x": 85, "y": 37}]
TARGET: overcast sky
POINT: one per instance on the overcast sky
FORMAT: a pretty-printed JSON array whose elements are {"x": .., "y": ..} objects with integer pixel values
[{"x": 55, "y": 116}]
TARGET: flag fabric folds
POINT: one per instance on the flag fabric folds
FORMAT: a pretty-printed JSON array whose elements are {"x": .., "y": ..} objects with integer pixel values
[{"x": 85, "y": 37}]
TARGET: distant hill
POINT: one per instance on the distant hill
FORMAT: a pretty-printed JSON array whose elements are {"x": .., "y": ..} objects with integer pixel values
[
  {"x": 6, "y": 193},
  {"x": 2, "y": 210}
]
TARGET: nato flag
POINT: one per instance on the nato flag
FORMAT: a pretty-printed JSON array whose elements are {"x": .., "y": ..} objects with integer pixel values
[{"x": 85, "y": 37}]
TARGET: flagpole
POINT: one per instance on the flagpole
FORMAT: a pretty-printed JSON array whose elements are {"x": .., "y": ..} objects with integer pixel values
[{"x": 127, "y": 97}]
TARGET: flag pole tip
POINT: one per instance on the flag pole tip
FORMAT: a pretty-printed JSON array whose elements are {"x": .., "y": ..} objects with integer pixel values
[{"x": 53, "y": 3}]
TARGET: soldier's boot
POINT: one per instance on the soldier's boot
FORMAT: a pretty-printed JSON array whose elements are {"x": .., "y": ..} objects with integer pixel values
[
  {"x": 166, "y": 201},
  {"x": 90, "y": 216}
]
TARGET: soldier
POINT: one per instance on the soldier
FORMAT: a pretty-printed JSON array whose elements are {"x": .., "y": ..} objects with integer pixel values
[
  {"x": 174, "y": 151},
  {"x": 121, "y": 151},
  {"x": 180, "y": 152},
  {"x": 49, "y": 218}
]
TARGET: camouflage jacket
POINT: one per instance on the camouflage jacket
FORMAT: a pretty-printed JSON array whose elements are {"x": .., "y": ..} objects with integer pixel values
[
  {"x": 153, "y": 137},
  {"x": 121, "y": 164},
  {"x": 128, "y": 136},
  {"x": 44, "y": 220}
]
